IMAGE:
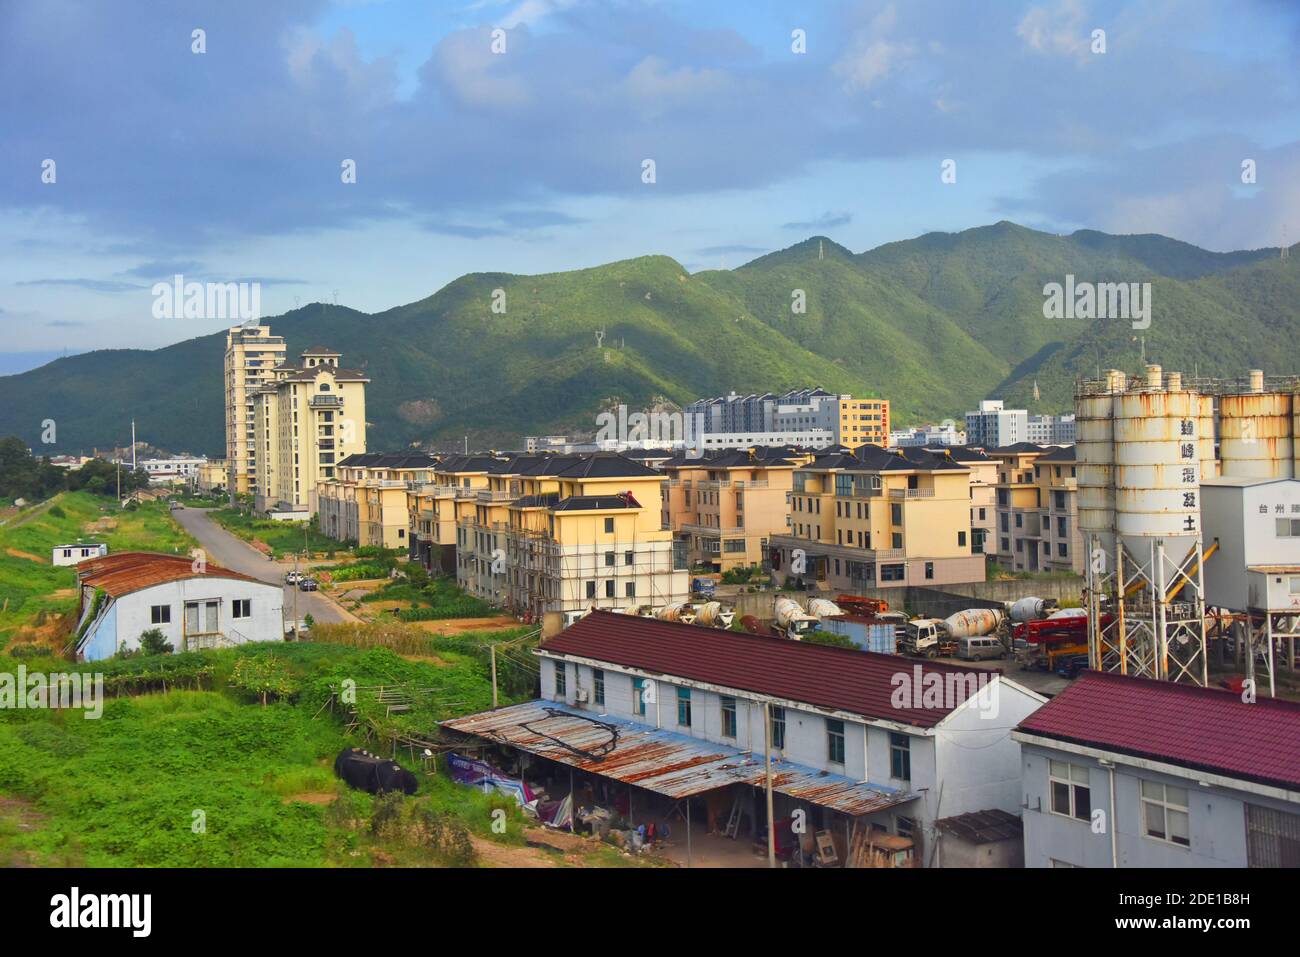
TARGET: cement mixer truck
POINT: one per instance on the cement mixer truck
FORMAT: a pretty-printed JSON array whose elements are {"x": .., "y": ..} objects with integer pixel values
[
  {"x": 712, "y": 614},
  {"x": 821, "y": 608},
  {"x": 789, "y": 620},
  {"x": 1030, "y": 609},
  {"x": 935, "y": 638},
  {"x": 678, "y": 611}
]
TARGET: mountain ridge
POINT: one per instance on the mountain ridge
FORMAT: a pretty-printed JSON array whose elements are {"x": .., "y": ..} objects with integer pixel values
[{"x": 933, "y": 323}]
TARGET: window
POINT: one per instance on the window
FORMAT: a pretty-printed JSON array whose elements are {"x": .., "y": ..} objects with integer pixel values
[
  {"x": 905, "y": 826},
  {"x": 639, "y": 695},
  {"x": 728, "y": 716},
  {"x": 609, "y": 558},
  {"x": 591, "y": 589},
  {"x": 1071, "y": 796},
  {"x": 896, "y": 540},
  {"x": 929, "y": 569},
  {"x": 834, "y": 741},
  {"x": 778, "y": 728},
  {"x": 891, "y": 573},
  {"x": 627, "y": 558},
  {"x": 160, "y": 614},
  {"x": 961, "y": 539},
  {"x": 900, "y": 756},
  {"x": 629, "y": 590},
  {"x": 561, "y": 679},
  {"x": 609, "y": 588},
  {"x": 684, "y": 707},
  {"x": 241, "y": 608},
  {"x": 598, "y": 684},
  {"x": 609, "y": 526},
  {"x": 1164, "y": 813}
]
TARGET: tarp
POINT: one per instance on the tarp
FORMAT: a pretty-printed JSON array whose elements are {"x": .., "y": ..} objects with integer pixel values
[{"x": 486, "y": 778}]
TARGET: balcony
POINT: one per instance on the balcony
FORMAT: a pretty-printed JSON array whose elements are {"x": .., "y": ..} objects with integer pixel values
[
  {"x": 911, "y": 493},
  {"x": 496, "y": 495},
  {"x": 323, "y": 401}
]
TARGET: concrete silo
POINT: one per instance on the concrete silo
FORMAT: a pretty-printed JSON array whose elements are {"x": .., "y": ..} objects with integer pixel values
[
  {"x": 1153, "y": 555},
  {"x": 1256, "y": 429}
]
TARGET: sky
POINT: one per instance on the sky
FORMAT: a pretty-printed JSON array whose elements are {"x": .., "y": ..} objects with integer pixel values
[{"x": 514, "y": 136}]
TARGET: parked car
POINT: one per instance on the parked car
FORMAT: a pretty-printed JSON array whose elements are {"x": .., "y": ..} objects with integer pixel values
[
  {"x": 306, "y": 584},
  {"x": 976, "y": 649},
  {"x": 291, "y": 578},
  {"x": 1071, "y": 665},
  {"x": 173, "y": 504}
]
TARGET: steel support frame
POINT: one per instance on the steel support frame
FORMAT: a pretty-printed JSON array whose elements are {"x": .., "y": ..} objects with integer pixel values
[{"x": 1146, "y": 637}]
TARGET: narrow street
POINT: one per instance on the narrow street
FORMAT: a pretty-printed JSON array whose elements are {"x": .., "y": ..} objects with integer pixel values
[{"x": 225, "y": 549}]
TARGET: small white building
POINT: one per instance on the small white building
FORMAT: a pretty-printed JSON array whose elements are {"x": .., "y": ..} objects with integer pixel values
[
  {"x": 77, "y": 552},
  {"x": 174, "y": 470},
  {"x": 194, "y": 605}
]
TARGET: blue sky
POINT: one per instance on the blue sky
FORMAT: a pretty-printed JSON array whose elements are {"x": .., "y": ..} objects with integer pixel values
[{"x": 226, "y": 165}]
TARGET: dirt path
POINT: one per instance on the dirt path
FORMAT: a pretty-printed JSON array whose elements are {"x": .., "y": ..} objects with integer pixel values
[
  {"x": 15, "y": 553},
  {"x": 572, "y": 848}
]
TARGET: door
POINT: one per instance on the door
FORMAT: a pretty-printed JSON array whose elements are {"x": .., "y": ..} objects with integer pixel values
[
  {"x": 191, "y": 618},
  {"x": 210, "y": 623}
]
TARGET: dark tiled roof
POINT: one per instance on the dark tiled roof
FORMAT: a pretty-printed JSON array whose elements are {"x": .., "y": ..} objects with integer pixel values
[
  {"x": 389, "y": 460},
  {"x": 595, "y": 503},
  {"x": 536, "y": 501},
  {"x": 840, "y": 679},
  {"x": 1203, "y": 729},
  {"x": 1064, "y": 453},
  {"x": 872, "y": 458},
  {"x": 468, "y": 463},
  {"x": 321, "y": 351},
  {"x": 1017, "y": 448},
  {"x": 958, "y": 453},
  {"x": 606, "y": 465}
]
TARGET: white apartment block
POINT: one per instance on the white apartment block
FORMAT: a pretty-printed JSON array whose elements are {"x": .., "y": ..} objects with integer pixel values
[{"x": 251, "y": 353}]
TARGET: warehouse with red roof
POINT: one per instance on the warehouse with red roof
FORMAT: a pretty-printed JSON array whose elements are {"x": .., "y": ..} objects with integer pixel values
[
  {"x": 859, "y": 740},
  {"x": 193, "y": 602}
]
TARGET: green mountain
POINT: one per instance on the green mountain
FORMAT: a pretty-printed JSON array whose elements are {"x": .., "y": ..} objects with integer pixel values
[{"x": 933, "y": 323}]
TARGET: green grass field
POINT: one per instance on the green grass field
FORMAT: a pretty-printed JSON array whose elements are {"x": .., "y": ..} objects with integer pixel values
[
  {"x": 123, "y": 790},
  {"x": 282, "y": 537},
  {"x": 30, "y": 584}
]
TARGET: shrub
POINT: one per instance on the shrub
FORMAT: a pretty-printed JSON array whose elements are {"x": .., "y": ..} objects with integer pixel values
[
  {"x": 27, "y": 649},
  {"x": 266, "y": 676},
  {"x": 56, "y": 511},
  {"x": 154, "y": 642}
]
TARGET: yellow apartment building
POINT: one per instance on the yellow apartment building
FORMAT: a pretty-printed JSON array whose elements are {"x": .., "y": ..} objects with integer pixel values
[
  {"x": 307, "y": 418},
  {"x": 876, "y": 519},
  {"x": 1037, "y": 509},
  {"x": 251, "y": 353},
  {"x": 983, "y": 498},
  {"x": 366, "y": 499},
  {"x": 861, "y": 421},
  {"x": 212, "y": 475},
  {"x": 436, "y": 507},
  {"x": 727, "y": 505},
  {"x": 560, "y": 533}
]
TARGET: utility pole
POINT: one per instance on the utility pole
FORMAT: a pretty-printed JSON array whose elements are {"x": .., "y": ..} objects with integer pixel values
[
  {"x": 133, "y": 445},
  {"x": 493, "y": 648},
  {"x": 767, "y": 781},
  {"x": 296, "y": 589}
]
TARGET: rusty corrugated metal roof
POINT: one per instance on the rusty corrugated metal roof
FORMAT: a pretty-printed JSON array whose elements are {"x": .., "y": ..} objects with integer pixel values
[
  {"x": 126, "y": 572},
  {"x": 663, "y": 761}
]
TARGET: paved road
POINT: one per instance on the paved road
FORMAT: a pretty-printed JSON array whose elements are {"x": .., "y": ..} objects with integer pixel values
[{"x": 225, "y": 549}]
